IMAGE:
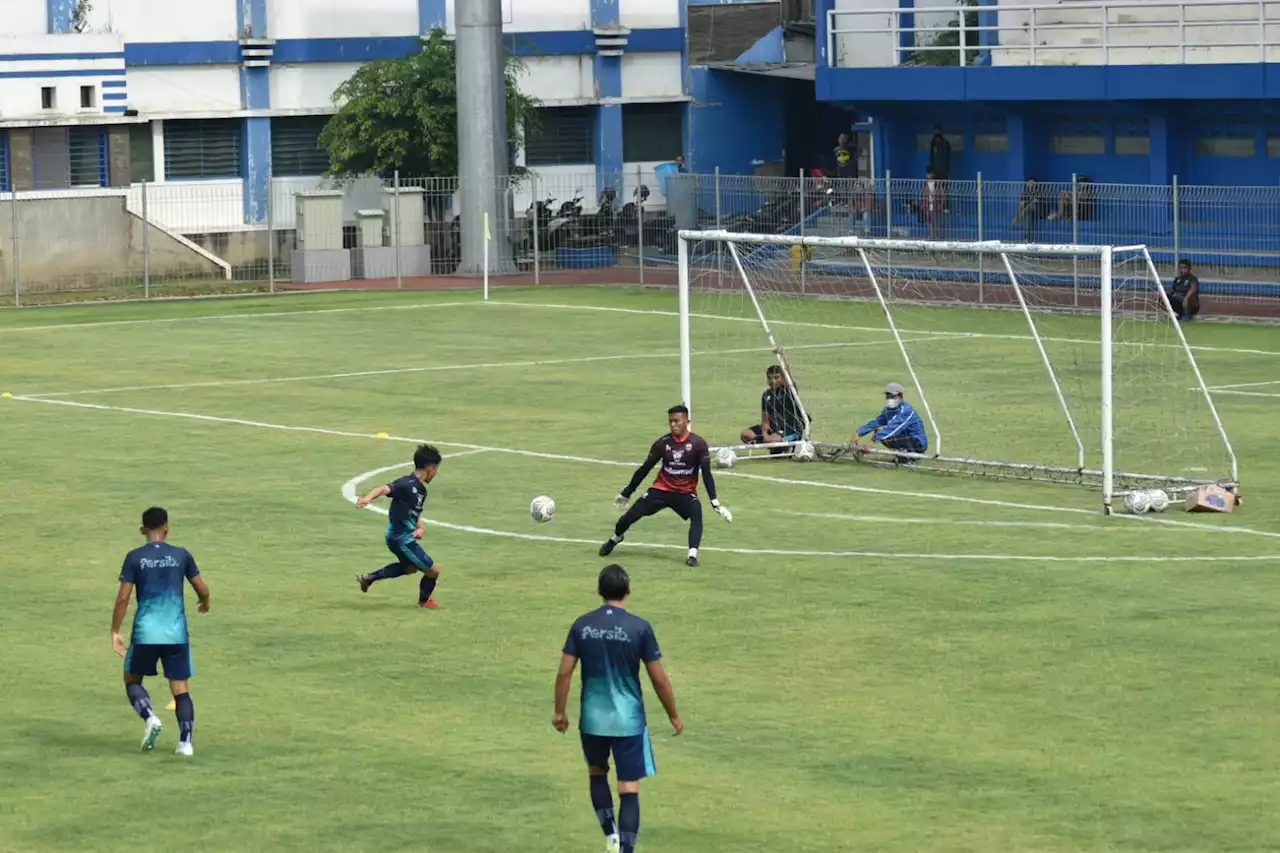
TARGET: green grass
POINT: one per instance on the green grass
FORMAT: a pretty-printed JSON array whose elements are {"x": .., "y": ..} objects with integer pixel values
[{"x": 832, "y": 703}]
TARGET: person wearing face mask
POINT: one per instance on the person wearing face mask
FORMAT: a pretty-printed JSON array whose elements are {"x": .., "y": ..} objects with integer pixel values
[{"x": 897, "y": 427}]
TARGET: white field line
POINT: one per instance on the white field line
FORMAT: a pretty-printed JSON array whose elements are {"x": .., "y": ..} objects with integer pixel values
[
  {"x": 350, "y": 494},
  {"x": 559, "y": 457},
  {"x": 248, "y": 315},
  {"x": 438, "y": 368},
  {"x": 1245, "y": 385},
  {"x": 893, "y": 521},
  {"x": 927, "y": 332},
  {"x": 1218, "y": 392}
]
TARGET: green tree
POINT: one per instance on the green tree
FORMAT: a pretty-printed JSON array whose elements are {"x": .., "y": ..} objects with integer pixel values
[
  {"x": 941, "y": 48},
  {"x": 403, "y": 114}
]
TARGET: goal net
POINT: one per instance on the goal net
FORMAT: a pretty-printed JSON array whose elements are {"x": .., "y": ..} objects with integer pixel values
[{"x": 1055, "y": 363}]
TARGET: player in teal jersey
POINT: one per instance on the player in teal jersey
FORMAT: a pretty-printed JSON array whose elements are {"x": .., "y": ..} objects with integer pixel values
[
  {"x": 611, "y": 644},
  {"x": 156, "y": 572},
  {"x": 404, "y": 526}
]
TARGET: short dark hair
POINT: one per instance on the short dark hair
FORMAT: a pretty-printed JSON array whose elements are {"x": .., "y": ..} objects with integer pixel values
[
  {"x": 1184, "y": 262},
  {"x": 937, "y": 128},
  {"x": 154, "y": 518},
  {"x": 426, "y": 456},
  {"x": 678, "y": 410},
  {"x": 774, "y": 370},
  {"x": 614, "y": 583}
]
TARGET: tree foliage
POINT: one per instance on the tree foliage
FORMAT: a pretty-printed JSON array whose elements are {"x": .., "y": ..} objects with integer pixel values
[
  {"x": 403, "y": 114},
  {"x": 941, "y": 47}
]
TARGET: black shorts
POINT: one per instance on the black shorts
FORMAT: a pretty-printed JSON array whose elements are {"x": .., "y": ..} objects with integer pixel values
[
  {"x": 141, "y": 660},
  {"x": 789, "y": 435},
  {"x": 682, "y": 504},
  {"x": 633, "y": 755}
]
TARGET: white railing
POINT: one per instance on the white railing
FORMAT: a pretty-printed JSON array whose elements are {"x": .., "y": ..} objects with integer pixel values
[{"x": 1067, "y": 33}]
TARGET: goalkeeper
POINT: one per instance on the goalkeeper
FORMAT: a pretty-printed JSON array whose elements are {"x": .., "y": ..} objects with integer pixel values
[{"x": 897, "y": 427}]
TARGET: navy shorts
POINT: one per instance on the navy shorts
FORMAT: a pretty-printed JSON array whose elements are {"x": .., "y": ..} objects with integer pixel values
[
  {"x": 633, "y": 755},
  {"x": 409, "y": 552},
  {"x": 176, "y": 658}
]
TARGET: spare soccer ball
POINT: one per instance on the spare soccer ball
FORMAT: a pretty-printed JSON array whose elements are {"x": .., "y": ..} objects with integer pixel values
[
  {"x": 725, "y": 458},
  {"x": 804, "y": 452},
  {"x": 543, "y": 508},
  {"x": 1137, "y": 502},
  {"x": 1159, "y": 500}
]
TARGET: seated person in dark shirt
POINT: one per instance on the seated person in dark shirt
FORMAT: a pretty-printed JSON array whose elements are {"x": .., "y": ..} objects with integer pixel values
[{"x": 1184, "y": 293}]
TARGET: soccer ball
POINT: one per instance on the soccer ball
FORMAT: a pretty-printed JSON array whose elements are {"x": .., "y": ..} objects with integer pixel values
[
  {"x": 804, "y": 452},
  {"x": 543, "y": 508},
  {"x": 725, "y": 458},
  {"x": 1138, "y": 502},
  {"x": 1159, "y": 500}
]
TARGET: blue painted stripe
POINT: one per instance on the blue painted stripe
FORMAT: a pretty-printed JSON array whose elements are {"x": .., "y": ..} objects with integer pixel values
[
  {"x": 432, "y": 15},
  {"x": 114, "y": 84},
  {"x": 251, "y": 18},
  {"x": 56, "y": 57},
  {"x": 656, "y": 40},
  {"x": 91, "y": 72},
  {"x": 255, "y": 88},
  {"x": 608, "y": 146},
  {"x": 604, "y": 13},
  {"x": 119, "y": 109},
  {"x": 256, "y": 167},
  {"x": 182, "y": 53},
  {"x": 115, "y": 96},
  {"x": 345, "y": 49}
]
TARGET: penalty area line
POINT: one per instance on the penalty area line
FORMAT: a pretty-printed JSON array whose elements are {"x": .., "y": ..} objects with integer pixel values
[
  {"x": 350, "y": 494},
  {"x": 560, "y": 457}
]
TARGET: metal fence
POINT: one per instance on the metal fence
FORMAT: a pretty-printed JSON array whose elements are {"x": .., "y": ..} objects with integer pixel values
[{"x": 566, "y": 227}]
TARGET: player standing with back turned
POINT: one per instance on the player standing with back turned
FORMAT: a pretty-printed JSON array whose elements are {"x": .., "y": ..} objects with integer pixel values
[
  {"x": 156, "y": 572},
  {"x": 683, "y": 455}
]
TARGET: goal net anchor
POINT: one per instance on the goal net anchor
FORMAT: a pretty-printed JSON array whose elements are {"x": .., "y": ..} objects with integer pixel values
[{"x": 1032, "y": 391}]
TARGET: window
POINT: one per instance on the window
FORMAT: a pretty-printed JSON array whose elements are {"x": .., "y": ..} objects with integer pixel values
[
  {"x": 295, "y": 146},
  {"x": 564, "y": 136},
  {"x": 48, "y": 98},
  {"x": 991, "y": 137},
  {"x": 652, "y": 133},
  {"x": 1133, "y": 137},
  {"x": 88, "y": 97},
  {"x": 1086, "y": 136},
  {"x": 142, "y": 157},
  {"x": 1228, "y": 137},
  {"x": 197, "y": 149},
  {"x": 64, "y": 157}
]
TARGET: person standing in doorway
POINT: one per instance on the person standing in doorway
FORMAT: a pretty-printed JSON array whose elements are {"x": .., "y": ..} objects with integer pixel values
[{"x": 940, "y": 165}]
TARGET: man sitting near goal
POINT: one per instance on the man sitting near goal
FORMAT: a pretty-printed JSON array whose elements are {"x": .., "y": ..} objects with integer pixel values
[
  {"x": 897, "y": 427},
  {"x": 781, "y": 419}
]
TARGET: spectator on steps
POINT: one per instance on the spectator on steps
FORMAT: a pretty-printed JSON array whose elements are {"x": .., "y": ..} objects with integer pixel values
[
  {"x": 940, "y": 164},
  {"x": 1080, "y": 202},
  {"x": 1031, "y": 208},
  {"x": 1184, "y": 293}
]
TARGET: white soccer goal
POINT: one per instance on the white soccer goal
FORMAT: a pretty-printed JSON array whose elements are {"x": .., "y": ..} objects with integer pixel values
[{"x": 1056, "y": 363}]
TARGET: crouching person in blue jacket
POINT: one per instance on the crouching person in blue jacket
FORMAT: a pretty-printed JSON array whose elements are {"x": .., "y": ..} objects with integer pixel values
[{"x": 897, "y": 427}]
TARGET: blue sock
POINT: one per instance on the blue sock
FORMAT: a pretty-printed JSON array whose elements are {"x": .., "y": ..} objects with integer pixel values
[
  {"x": 140, "y": 700},
  {"x": 602, "y": 802},
  {"x": 390, "y": 570},
  {"x": 629, "y": 821},
  {"x": 426, "y": 586},
  {"x": 186, "y": 713}
]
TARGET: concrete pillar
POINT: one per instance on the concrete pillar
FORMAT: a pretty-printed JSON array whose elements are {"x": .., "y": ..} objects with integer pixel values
[
  {"x": 255, "y": 94},
  {"x": 22, "y": 171},
  {"x": 483, "y": 157},
  {"x": 119, "y": 157},
  {"x": 61, "y": 14}
]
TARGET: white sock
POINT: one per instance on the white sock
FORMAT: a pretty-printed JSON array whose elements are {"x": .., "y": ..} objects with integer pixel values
[{"x": 693, "y": 552}]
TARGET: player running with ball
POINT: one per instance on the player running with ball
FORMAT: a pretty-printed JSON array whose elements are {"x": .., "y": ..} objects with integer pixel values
[{"x": 683, "y": 455}]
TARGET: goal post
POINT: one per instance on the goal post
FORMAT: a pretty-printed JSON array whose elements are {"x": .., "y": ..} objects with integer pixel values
[{"x": 1057, "y": 363}]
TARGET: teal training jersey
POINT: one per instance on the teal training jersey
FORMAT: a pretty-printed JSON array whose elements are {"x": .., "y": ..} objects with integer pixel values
[
  {"x": 610, "y": 644},
  {"x": 157, "y": 571}
]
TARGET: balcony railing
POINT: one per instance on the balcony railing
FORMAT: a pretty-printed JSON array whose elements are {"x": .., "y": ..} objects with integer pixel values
[{"x": 1073, "y": 33}]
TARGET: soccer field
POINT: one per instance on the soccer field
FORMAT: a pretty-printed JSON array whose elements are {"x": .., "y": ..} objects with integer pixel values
[{"x": 867, "y": 659}]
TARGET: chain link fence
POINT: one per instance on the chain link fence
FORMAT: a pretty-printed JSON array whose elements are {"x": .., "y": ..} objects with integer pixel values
[{"x": 561, "y": 226}]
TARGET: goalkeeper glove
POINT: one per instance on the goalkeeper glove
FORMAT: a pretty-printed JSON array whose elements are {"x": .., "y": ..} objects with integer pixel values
[
  {"x": 620, "y": 503},
  {"x": 723, "y": 510}
]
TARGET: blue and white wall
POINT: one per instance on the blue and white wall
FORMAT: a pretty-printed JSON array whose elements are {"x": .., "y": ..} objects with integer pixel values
[
  {"x": 1135, "y": 104},
  {"x": 259, "y": 62}
]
